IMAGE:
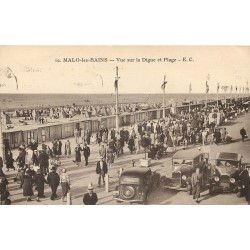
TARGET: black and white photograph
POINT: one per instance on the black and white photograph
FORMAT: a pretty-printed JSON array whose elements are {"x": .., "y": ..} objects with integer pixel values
[{"x": 125, "y": 125}]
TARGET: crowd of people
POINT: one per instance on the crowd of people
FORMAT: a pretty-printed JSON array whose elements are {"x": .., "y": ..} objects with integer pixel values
[{"x": 37, "y": 167}]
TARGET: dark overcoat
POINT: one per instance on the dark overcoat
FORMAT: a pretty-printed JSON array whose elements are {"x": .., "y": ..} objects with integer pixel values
[{"x": 90, "y": 200}]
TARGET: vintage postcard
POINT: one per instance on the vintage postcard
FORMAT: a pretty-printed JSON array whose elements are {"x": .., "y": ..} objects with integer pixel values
[{"x": 116, "y": 125}]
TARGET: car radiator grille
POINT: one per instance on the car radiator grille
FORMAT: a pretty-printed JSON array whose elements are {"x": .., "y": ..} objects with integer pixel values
[
  {"x": 225, "y": 181},
  {"x": 176, "y": 179}
]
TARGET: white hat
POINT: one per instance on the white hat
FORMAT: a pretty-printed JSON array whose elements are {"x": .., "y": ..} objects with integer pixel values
[{"x": 90, "y": 186}]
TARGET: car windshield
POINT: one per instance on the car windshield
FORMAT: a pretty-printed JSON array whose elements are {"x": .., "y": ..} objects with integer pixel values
[
  {"x": 130, "y": 180},
  {"x": 181, "y": 161},
  {"x": 227, "y": 163}
]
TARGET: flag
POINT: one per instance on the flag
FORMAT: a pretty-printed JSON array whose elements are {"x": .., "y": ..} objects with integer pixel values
[
  {"x": 231, "y": 89},
  {"x": 207, "y": 87},
  {"x": 218, "y": 87},
  {"x": 163, "y": 86},
  {"x": 116, "y": 79},
  {"x": 116, "y": 83},
  {"x": 9, "y": 74},
  {"x": 236, "y": 88},
  {"x": 190, "y": 88}
]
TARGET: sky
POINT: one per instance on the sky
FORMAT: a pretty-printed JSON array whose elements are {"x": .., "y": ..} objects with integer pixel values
[{"x": 38, "y": 70}]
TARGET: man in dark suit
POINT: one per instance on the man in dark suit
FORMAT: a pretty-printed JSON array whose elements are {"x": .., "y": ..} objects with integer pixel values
[
  {"x": 243, "y": 134},
  {"x": 90, "y": 198},
  {"x": 86, "y": 153},
  {"x": 43, "y": 160},
  {"x": 101, "y": 170},
  {"x": 53, "y": 180}
]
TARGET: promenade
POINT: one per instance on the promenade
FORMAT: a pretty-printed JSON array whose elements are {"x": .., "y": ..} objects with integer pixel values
[{"x": 81, "y": 175}]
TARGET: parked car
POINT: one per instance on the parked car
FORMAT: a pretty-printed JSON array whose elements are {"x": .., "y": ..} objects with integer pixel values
[
  {"x": 183, "y": 166},
  {"x": 135, "y": 185},
  {"x": 227, "y": 173}
]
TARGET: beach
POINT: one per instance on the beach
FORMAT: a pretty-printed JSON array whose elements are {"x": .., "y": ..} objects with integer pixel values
[{"x": 29, "y": 101}]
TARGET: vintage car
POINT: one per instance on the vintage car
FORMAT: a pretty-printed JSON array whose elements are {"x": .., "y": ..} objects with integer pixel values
[
  {"x": 183, "y": 166},
  {"x": 227, "y": 173},
  {"x": 135, "y": 185}
]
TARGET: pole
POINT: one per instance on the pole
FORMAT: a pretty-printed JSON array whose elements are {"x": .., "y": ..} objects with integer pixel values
[
  {"x": 206, "y": 99},
  {"x": 217, "y": 102},
  {"x": 69, "y": 200},
  {"x": 189, "y": 107},
  {"x": 117, "y": 109},
  {"x": 1, "y": 136},
  {"x": 106, "y": 183},
  {"x": 164, "y": 114},
  {"x": 164, "y": 86}
]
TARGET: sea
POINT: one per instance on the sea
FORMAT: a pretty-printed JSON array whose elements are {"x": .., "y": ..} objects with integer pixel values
[{"x": 27, "y": 101}]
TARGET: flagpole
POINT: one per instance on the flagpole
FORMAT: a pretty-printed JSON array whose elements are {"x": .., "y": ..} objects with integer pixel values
[
  {"x": 164, "y": 86},
  {"x": 1, "y": 136},
  {"x": 218, "y": 86},
  {"x": 117, "y": 110},
  {"x": 207, "y": 88},
  {"x": 164, "y": 111},
  {"x": 231, "y": 94},
  {"x": 189, "y": 108}
]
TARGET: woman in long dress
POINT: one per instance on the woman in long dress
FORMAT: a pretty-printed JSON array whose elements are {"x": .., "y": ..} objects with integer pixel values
[
  {"x": 27, "y": 184},
  {"x": 65, "y": 184},
  {"x": 78, "y": 150},
  {"x": 131, "y": 144},
  {"x": 67, "y": 148},
  {"x": 9, "y": 161}
]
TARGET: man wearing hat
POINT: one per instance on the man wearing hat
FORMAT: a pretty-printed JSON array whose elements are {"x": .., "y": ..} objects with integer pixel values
[
  {"x": 101, "y": 170},
  {"x": 196, "y": 181},
  {"x": 90, "y": 198},
  {"x": 53, "y": 180}
]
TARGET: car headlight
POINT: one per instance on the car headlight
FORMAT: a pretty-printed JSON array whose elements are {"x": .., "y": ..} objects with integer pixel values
[
  {"x": 216, "y": 178},
  {"x": 232, "y": 180},
  {"x": 184, "y": 177},
  {"x": 115, "y": 193}
]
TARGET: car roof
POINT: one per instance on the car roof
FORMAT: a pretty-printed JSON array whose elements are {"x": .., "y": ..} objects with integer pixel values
[
  {"x": 135, "y": 171},
  {"x": 226, "y": 156},
  {"x": 187, "y": 154}
]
